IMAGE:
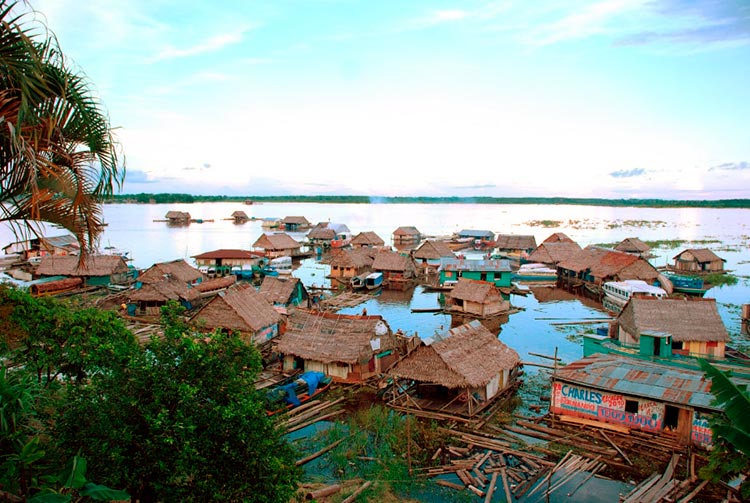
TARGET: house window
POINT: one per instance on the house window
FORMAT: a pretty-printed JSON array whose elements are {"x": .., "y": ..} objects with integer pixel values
[
  {"x": 712, "y": 344},
  {"x": 631, "y": 406},
  {"x": 677, "y": 345}
]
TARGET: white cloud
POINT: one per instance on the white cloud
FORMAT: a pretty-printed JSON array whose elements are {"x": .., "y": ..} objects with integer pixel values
[{"x": 211, "y": 44}]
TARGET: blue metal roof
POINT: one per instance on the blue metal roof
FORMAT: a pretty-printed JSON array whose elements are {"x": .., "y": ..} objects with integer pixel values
[{"x": 641, "y": 378}]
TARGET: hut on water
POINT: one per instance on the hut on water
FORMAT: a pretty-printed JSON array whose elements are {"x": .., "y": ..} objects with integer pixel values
[
  {"x": 459, "y": 372},
  {"x": 346, "y": 264},
  {"x": 634, "y": 246},
  {"x": 429, "y": 254},
  {"x": 367, "y": 239},
  {"x": 478, "y": 298},
  {"x": 399, "y": 271},
  {"x": 96, "y": 270},
  {"x": 240, "y": 217},
  {"x": 350, "y": 348},
  {"x": 698, "y": 260},
  {"x": 284, "y": 292},
  {"x": 177, "y": 217},
  {"x": 278, "y": 244},
  {"x": 515, "y": 246},
  {"x": 242, "y": 310},
  {"x": 406, "y": 236}
]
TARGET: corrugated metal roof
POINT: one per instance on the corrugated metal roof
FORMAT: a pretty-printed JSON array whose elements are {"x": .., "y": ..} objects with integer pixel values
[{"x": 640, "y": 378}]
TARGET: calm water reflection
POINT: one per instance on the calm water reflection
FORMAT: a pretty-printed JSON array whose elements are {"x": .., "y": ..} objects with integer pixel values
[{"x": 725, "y": 231}]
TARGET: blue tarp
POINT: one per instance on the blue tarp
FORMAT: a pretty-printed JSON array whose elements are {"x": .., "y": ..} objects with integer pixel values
[{"x": 311, "y": 379}]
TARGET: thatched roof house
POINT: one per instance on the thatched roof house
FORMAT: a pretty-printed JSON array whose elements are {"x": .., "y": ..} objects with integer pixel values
[
  {"x": 241, "y": 309},
  {"x": 148, "y": 298},
  {"x": 693, "y": 326},
  {"x": 224, "y": 261},
  {"x": 278, "y": 244},
  {"x": 96, "y": 269},
  {"x": 558, "y": 237},
  {"x": 367, "y": 239},
  {"x": 347, "y": 347},
  {"x": 550, "y": 253},
  {"x": 177, "y": 269},
  {"x": 465, "y": 368},
  {"x": 350, "y": 263},
  {"x": 433, "y": 250},
  {"x": 515, "y": 243},
  {"x": 479, "y": 298},
  {"x": 599, "y": 265},
  {"x": 283, "y": 291},
  {"x": 634, "y": 246},
  {"x": 406, "y": 235},
  {"x": 240, "y": 216},
  {"x": 398, "y": 270},
  {"x": 321, "y": 236},
  {"x": 215, "y": 285},
  {"x": 177, "y": 217},
  {"x": 698, "y": 260},
  {"x": 295, "y": 224}
]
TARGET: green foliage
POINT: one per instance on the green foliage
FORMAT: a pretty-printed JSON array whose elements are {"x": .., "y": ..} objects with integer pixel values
[
  {"x": 55, "y": 340},
  {"x": 719, "y": 278},
  {"x": 731, "y": 453},
  {"x": 181, "y": 421}
]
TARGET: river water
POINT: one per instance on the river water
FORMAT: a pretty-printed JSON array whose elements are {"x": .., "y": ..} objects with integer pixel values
[{"x": 539, "y": 326}]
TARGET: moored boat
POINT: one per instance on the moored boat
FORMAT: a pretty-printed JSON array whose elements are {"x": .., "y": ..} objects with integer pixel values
[
  {"x": 374, "y": 280},
  {"x": 620, "y": 292},
  {"x": 358, "y": 281},
  {"x": 534, "y": 272},
  {"x": 296, "y": 391},
  {"x": 692, "y": 285}
]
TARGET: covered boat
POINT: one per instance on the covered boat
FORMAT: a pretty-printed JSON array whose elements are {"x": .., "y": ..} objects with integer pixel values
[{"x": 290, "y": 394}]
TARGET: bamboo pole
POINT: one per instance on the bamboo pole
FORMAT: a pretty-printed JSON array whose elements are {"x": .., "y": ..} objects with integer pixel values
[
  {"x": 506, "y": 486},
  {"x": 319, "y": 453},
  {"x": 491, "y": 489}
]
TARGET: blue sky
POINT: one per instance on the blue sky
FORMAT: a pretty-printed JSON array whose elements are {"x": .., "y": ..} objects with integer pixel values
[{"x": 612, "y": 98}]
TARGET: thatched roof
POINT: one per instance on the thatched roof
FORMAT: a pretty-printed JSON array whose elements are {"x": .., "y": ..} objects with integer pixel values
[
  {"x": 240, "y": 215},
  {"x": 177, "y": 269},
  {"x": 367, "y": 238},
  {"x": 685, "y": 320},
  {"x": 468, "y": 356},
  {"x": 602, "y": 263},
  {"x": 228, "y": 254},
  {"x": 515, "y": 242},
  {"x": 387, "y": 260},
  {"x": 278, "y": 290},
  {"x": 295, "y": 220},
  {"x": 357, "y": 258},
  {"x": 700, "y": 255},
  {"x": 276, "y": 241},
  {"x": 558, "y": 237},
  {"x": 94, "y": 265},
  {"x": 239, "y": 308},
  {"x": 177, "y": 215},
  {"x": 211, "y": 285},
  {"x": 554, "y": 252},
  {"x": 407, "y": 231},
  {"x": 632, "y": 245},
  {"x": 324, "y": 233},
  {"x": 164, "y": 290},
  {"x": 433, "y": 250},
  {"x": 328, "y": 337},
  {"x": 473, "y": 290}
]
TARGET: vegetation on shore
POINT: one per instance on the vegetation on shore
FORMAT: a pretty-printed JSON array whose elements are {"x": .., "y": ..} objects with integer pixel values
[{"x": 168, "y": 198}]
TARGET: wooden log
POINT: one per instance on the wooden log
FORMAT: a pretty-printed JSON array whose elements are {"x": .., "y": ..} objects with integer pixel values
[
  {"x": 356, "y": 493},
  {"x": 476, "y": 491},
  {"x": 506, "y": 486},
  {"x": 694, "y": 492},
  {"x": 624, "y": 456},
  {"x": 596, "y": 424},
  {"x": 447, "y": 483},
  {"x": 315, "y": 420},
  {"x": 491, "y": 488},
  {"x": 319, "y": 453},
  {"x": 323, "y": 492}
]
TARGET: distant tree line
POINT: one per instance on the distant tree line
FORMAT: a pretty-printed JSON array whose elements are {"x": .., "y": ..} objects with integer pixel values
[{"x": 163, "y": 198}]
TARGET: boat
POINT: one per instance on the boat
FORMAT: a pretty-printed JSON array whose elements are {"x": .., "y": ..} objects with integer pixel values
[
  {"x": 282, "y": 266},
  {"x": 534, "y": 271},
  {"x": 692, "y": 285},
  {"x": 621, "y": 291},
  {"x": 296, "y": 391},
  {"x": 374, "y": 280},
  {"x": 358, "y": 282}
]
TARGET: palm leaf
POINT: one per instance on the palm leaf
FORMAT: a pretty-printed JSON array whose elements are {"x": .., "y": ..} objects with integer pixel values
[{"x": 735, "y": 401}]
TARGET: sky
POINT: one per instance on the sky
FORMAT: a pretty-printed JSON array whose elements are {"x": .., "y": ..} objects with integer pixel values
[{"x": 611, "y": 98}]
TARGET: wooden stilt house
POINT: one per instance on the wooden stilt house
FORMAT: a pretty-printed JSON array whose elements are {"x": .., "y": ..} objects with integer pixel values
[{"x": 459, "y": 372}]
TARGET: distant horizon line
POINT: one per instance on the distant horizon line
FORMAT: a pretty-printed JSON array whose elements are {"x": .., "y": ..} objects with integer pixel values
[{"x": 184, "y": 198}]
